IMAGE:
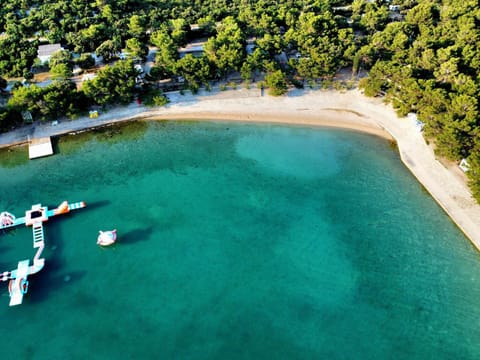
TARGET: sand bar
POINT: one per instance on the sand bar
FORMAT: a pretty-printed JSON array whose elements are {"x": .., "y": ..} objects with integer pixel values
[{"x": 349, "y": 109}]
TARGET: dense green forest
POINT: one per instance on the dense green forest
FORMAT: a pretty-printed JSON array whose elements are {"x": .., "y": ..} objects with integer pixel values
[{"x": 423, "y": 56}]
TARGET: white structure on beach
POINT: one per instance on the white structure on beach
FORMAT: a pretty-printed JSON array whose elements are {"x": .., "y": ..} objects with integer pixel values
[
  {"x": 418, "y": 124},
  {"x": 464, "y": 165}
]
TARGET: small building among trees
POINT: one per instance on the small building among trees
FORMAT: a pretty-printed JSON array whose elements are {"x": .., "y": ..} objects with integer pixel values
[
  {"x": 45, "y": 52},
  {"x": 195, "y": 48}
]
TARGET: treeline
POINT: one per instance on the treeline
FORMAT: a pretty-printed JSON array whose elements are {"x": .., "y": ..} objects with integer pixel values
[
  {"x": 85, "y": 25},
  {"x": 422, "y": 55},
  {"x": 429, "y": 64},
  {"x": 321, "y": 40}
]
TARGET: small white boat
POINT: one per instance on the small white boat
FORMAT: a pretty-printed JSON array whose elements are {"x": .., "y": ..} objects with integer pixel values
[{"x": 106, "y": 238}]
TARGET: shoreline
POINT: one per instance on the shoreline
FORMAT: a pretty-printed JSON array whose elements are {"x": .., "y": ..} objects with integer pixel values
[{"x": 348, "y": 109}]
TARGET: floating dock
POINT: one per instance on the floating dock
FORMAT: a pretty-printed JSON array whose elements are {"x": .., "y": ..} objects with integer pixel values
[
  {"x": 18, "y": 286},
  {"x": 40, "y": 147},
  {"x": 35, "y": 217}
]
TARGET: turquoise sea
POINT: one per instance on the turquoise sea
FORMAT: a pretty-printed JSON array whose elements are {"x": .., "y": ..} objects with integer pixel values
[{"x": 236, "y": 241}]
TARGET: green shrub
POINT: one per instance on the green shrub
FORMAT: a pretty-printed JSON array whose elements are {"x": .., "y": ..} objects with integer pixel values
[{"x": 154, "y": 97}]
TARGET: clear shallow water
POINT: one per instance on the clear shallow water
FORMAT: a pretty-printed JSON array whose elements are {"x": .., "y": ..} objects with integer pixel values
[{"x": 236, "y": 241}]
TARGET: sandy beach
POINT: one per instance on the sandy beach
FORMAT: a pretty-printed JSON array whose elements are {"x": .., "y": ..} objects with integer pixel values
[{"x": 347, "y": 109}]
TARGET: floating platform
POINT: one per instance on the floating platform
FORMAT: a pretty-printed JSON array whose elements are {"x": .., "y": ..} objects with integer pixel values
[
  {"x": 18, "y": 284},
  {"x": 40, "y": 147}
]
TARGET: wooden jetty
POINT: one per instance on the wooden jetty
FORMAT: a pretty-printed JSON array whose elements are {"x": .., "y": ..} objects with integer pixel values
[{"x": 40, "y": 147}]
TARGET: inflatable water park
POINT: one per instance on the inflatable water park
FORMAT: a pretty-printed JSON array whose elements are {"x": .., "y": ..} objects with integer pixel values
[{"x": 35, "y": 217}]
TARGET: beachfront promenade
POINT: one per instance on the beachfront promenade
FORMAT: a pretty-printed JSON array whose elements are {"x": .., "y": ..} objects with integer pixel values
[
  {"x": 118, "y": 114},
  {"x": 348, "y": 109}
]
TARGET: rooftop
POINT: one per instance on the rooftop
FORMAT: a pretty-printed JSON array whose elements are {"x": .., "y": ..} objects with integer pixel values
[{"x": 49, "y": 49}]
